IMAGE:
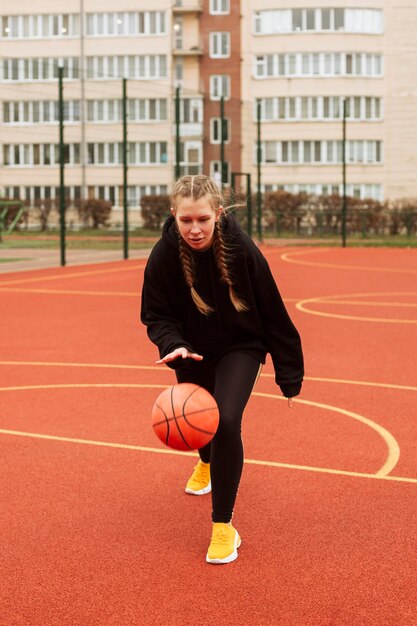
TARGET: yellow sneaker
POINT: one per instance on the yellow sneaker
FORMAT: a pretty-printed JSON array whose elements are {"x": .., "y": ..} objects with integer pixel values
[
  {"x": 224, "y": 543},
  {"x": 200, "y": 482}
]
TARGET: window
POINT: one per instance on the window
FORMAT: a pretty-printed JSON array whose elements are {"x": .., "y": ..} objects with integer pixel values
[
  {"x": 295, "y": 151},
  {"x": 153, "y": 190},
  {"x": 339, "y": 19},
  {"x": 325, "y": 19},
  {"x": 191, "y": 157},
  {"x": 47, "y": 154},
  {"x": 147, "y": 66},
  {"x": 39, "y": 154},
  {"x": 143, "y": 153},
  {"x": 273, "y": 22},
  {"x": 179, "y": 69},
  {"x": 305, "y": 108},
  {"x": 40, "y": 26},
  {"x": 260, "y": 66},
  {"x": 319, "y": 107},
  {"x": 363, "y": 21},
  {"x": 276, "y": 21},
  {"x": 216, "y": 130},
  {"x": 318, "y": 64},
  {"x": 378, "y": 151},
  {"x": 126, "y": 23},
  {"x": 6, "y": 155},
  {"x": 291, "y": 108},
  {"x": 297, "y": 19},
  {"x": 6, "y": 113},
  {"x": 219, "y": 45},
  {"x": 191, "y": 110},
  {"x": 216, "y": 172},
  {"x": 38, "y": 69},
  {"x": 153, "y": 26},
  {"x": 319, "y": 152},
  {"x": 349, "y": 63},
  {"x": 178, "y": 33},
  {"x": 310, "y": 19},
  {"x": 219, "y": 7},
  {"x": 267, "y": 109},
  {"x": 270, "y": 152},
  {"x": 219, "y": 86},
  {"x": 152, "y": 109}
]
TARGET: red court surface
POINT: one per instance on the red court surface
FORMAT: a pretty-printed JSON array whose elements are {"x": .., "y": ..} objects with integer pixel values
[{"x": 96, "y": 529}]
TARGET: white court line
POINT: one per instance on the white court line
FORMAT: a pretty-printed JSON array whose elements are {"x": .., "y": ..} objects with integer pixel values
[
  {"x": 166, "y": 370},
  {"x": 390, "y": 441},
  {"x": 301, "y": 306},
  {"x": 122, "y": 446},
  {"x": 288, "y": 258}
]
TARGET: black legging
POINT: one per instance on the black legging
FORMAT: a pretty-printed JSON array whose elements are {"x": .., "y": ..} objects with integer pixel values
[{"x": 230, "y": 380}]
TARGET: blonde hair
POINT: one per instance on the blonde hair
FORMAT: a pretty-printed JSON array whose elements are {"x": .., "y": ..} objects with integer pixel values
[{"x": 197, "y": 187}]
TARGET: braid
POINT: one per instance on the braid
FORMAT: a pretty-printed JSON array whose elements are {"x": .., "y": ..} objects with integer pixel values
[
  {"x": 221, "y": 256},
  {"x": 188, "y": 268}
]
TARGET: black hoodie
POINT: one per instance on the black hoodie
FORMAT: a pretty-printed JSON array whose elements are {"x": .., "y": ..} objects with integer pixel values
[{"x": 173, "y": 320}]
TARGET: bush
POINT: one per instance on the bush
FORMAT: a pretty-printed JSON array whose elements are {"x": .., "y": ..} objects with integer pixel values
[
  {"x": 403, "y": 216},
  {"x": 284, "y": 211},
  {"x": 155, "y": 209},
  {"x": 95, "y": 213},
  {"x": 367, "y": 217},
  {"x": 321, "y": 215}
]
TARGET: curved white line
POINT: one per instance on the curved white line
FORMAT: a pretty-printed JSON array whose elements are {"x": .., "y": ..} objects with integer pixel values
[
  {"x": 328, "y": 299},
  {"x": 286, "y": 257},
  {"x": 391, "y": 443},
  {"x": 393, "y": 447}
]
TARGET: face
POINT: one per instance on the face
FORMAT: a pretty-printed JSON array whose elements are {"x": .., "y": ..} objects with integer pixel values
[{"x": 196, "y": 220}]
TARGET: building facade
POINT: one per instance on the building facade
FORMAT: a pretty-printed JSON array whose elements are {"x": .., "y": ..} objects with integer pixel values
[{"x": 301, "y": 64}]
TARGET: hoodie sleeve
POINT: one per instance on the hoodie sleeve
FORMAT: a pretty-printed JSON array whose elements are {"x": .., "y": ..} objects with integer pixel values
[
  {"x": 164, "y": 326},
  {"x": 282, "y": 338}
]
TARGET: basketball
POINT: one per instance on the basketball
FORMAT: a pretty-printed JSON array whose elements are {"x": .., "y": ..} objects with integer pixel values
[{"x": 185, "y": 417}]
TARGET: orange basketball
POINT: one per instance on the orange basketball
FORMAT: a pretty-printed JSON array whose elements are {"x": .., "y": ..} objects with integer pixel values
[{"x": 185, "y": 417}]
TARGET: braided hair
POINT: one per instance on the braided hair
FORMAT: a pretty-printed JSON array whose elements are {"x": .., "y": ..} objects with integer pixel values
[{"x": 197, "y": 187}]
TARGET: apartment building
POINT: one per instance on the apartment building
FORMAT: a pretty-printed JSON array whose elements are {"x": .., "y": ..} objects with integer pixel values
[
  {"x": 305, "y": 58},
  {"x": 98, "y": 43},
  {"x": 299, "y": 59}
]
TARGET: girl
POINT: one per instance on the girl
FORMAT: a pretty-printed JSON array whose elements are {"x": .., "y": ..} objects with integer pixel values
[{"x": 212, "y": 307}]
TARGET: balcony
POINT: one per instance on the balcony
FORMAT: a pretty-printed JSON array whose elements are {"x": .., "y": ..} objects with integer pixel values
[
  {"x": 179, "y": 51},
  {"x": 190, "y": 129},
  {"x": 182, "y": 7}
]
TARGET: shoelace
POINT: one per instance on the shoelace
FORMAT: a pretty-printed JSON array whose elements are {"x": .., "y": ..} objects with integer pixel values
[
  {"x": 201, "y": 474},
  {"x": 220, "y": 536}
]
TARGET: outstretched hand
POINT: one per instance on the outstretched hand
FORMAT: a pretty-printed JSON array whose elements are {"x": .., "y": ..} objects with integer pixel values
[{"x": 180, "y": 353}]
